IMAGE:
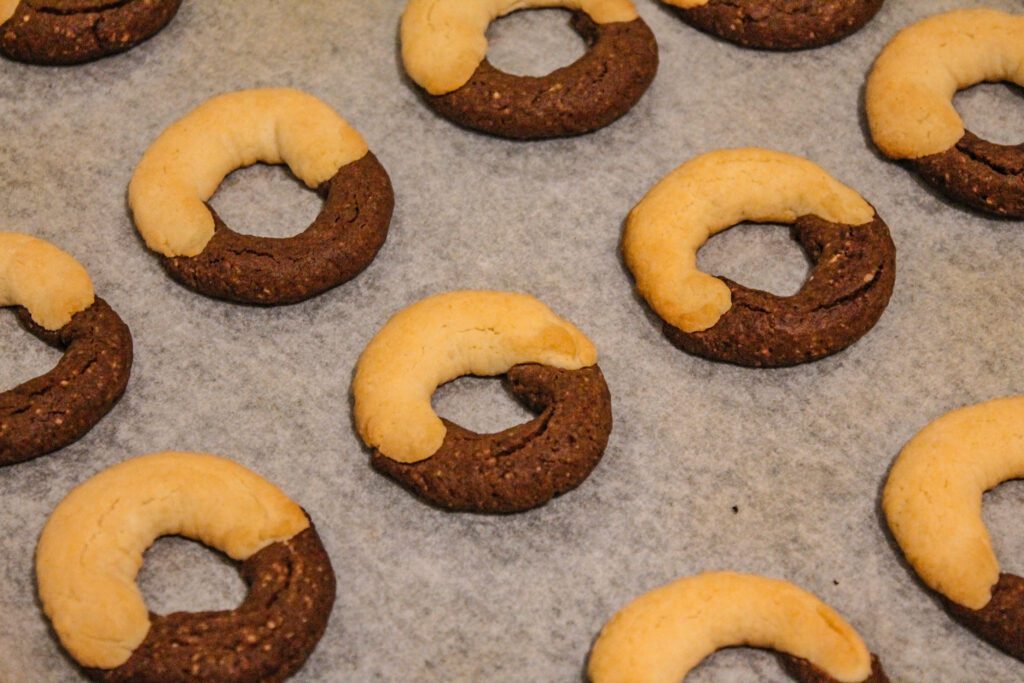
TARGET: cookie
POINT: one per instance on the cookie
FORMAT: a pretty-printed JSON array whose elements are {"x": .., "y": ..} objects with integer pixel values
[
  {"x": 186, "y": 164},
  {"x": 525, "y": 466},
  {"x": 65, "y": 32},
  {"x": 909, "y": 102},
  {"x": 778, "y": 24},
  {"x": 92, "y": 547},
  {"x": 932, "y": 501},
  {"x": 843, "y": 298},
  {"x": 551, "y": 367},
  {"x": 444, "y": 51},
  {"x": 666, "y": 633},
  {"x": 55, "y": 302}
]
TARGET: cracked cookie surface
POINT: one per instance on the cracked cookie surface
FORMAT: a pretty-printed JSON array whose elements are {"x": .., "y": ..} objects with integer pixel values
[
  {"x": 778, "y": 24},
  {"x": 56, "y": 409},
  {"x": 66, "y": 32}
]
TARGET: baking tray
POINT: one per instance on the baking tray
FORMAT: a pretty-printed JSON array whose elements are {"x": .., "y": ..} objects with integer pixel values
[{"x": 709, "y": 466}]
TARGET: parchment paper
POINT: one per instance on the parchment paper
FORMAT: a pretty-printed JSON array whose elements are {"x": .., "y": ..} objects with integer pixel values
[{"x": 709, "y": 466}]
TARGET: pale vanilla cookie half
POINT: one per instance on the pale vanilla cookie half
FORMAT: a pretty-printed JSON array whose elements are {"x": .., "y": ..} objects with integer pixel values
[
  {"x": 551, "y": 367},
  {"x": 846, "y": 293},
  {"x": 184, "y": 167},
  {"x": 92, "y": 547},
  {"x": 910, "y": 108},
  {"x": 664, "y": 634},
  {"x": 932, "y": 501},
  {"x": 444, "y": 49},
  {"x": 54, "y": 299}
]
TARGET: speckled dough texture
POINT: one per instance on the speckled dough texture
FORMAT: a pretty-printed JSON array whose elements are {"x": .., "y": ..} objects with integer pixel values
[
  {"x": 342, "y": 241},
  {"x": 778, "y": 24},
  {"x": 67, "y": 32},
  {"x": 56, "y": 409},
  {"x": 522, "y": 467},
  {"x": 599, "y": 88}
]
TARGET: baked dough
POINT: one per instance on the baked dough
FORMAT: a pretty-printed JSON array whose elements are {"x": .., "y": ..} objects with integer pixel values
[
  {"x": 444, "y": 41},
  {"x": 444, "y": 337},
  {"x": 662, "y": 635},
  {"x": 707, "y": 195},
  {"x": 932, "y": 499},
  {"x": 7, "y": 8},
  {"x": 92, "y": 546},
  {"x": 48, "y": 282},
  {"x": 910, "y": 91},
  {"x": 185, "y": 166}
]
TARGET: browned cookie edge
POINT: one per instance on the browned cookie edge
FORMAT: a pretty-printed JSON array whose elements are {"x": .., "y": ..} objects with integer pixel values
[{"x": 1001, "y": 621}]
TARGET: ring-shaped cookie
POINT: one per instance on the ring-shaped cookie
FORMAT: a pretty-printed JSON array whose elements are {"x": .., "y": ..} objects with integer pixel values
[
  {"x": 551, "y": 367},
  {"x": 664, "y": 634},
  {"x": 932, "y": 501},
  {"x": 444, "y": 50},
  {"x": 846, "y": 293},
  {"x": 65, "y": 32},
  {"x": 92, "y": 547},
  {"x": 186, "y": 164},
  {"x": 910, "y": 109},
  {"x": 778, "y": 24},
  {"x": 56, "y": 303}
]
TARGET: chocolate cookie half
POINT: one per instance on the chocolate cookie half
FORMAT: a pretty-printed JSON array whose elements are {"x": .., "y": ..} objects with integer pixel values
[
  {"x": 804, "y": 672},
  {"x": 845, "y": 295},
  {"x": 60, "y": 407},
  {"x": 266, "y": 639},
  {"x": 600, "y": 87},
  {"x": 979, "y": 174},
  {"x": 1001, "y": 621},
  {"x": 340, "y": 244},
  {"x": 779, "y": 24},
  {"x": 525, "y": 466},
  {"x": 64, "y": 32}
]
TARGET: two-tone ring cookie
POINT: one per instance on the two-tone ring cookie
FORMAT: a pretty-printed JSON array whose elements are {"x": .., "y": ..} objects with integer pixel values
[
  {"x": 910, "y": 109},
  {"x": 186, "y": 164},
  {"x": 551, "y": 367},
  {"x": 56, "y": 303},
  {"x": 63, "y": 32},
  {"x": 932, "y": 501},
  {"x": 92, "y": 547},
  {"x": 444, "y": 49},
  {"x": 664, "y": 634},
  {"x": 778, "y": 24},
  {"x": 716, "y": 318}
]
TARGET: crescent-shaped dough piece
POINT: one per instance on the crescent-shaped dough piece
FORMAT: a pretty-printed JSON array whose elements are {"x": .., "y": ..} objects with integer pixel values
[
  {"x": 47, "y": 281},
  {"x": 184, "y": 167},
  {"x": 444, "y": 337},
  {"x": 909, "y": 96},
  {"x": 662, "y": 635},
  {"x": 707, "y": 195},
  {"x": 444, "y": 41},
  {"x": 932, "y": 499},
  {"x": 91, "y": 548}
]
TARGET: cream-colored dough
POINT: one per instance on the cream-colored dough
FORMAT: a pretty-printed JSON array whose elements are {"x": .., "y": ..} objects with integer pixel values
[
  {"x": 444, "y": 337},
  {"x": 662, "y": 635},
  {"x": 48, "y": 282},
  {"x": 932, "y": 499},
  {"x": 7, "y": 8},
  {"x": 186, "y": 164},
  {"x": 92, "y": 546},
  {"x": 910, "y": 90},
  {"x": 444, "y": 41},
  {"x": 709, "y": 194}
]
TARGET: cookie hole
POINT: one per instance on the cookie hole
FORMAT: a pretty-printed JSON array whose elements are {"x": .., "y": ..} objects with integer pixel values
[
  {"x": 993, "y": 111},
  {"x": 534, "y": 42},
  {"x": 481, "y": 404},
  {"x": 266, "y": 201},
  {"x": 759, "y": 256},
  {"x": 22, "y": 356},
  {"x": 179, "y": 575},
  {"x": 1001, "y": 512}
]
